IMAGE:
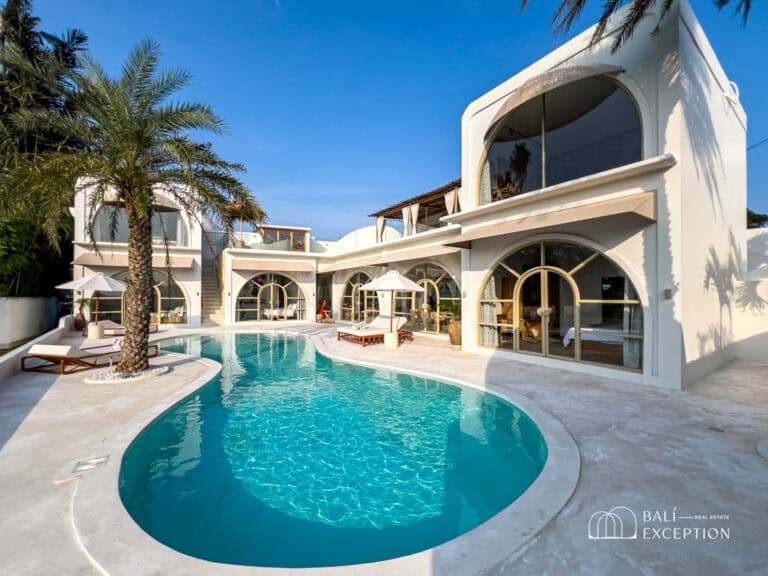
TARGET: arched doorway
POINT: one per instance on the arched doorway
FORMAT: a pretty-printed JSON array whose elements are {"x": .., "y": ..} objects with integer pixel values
[
  {"x": 564, "y": 300},
  {"x": 168, "y": 304},
  {"x": 434, "y": 309},
  {"x": 358, "y": 305},
  {"x": 270, "y": 296}
]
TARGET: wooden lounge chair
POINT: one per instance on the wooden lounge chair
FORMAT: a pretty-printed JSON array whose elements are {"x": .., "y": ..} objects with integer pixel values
[
  {"x": 115, "y": 329},
  {"x": 58, "y": 359},
  {"x": 374, "y": 332}
]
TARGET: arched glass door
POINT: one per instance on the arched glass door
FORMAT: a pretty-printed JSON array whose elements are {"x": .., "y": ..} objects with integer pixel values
[
  {"x": 358, "y": 305},
  {"x": 565, "y": 300},
  {"x": 546, "y": 306},
  {"x": 270, "y": 296},
  {"x": 437, "y": 306}
]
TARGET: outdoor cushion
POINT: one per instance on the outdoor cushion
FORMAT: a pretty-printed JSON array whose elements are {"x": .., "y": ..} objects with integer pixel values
[{"x": 55, "y": 350}]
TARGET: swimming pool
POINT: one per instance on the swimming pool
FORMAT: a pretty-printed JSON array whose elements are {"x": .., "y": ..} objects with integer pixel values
[{"x": 290, "y": 459}]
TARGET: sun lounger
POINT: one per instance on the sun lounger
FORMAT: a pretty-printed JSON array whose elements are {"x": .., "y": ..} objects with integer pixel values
[
  {"x": 374, "y": 332},
  {"x": 59, "y": 359},
  {"x": 115, "y": 329}
]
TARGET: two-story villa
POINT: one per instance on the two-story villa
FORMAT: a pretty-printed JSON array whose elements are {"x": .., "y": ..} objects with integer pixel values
[{"x": 598, "y": 225}]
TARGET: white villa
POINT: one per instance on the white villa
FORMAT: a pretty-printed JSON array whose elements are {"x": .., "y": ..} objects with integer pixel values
[{"x": 598, "y": 225}]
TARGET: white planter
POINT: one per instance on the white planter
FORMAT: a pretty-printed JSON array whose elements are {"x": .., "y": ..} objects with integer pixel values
[{"x": 391, "y": 340}]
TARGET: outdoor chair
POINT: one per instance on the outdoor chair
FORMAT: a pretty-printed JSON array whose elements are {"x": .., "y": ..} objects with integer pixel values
[{"x": 60, "y": 359}]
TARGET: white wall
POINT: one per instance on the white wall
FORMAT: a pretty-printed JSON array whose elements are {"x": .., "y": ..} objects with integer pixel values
[
  {"x": 188, "y": 279},
  {"x": 24, "y": 318},
  {"x": 234, "y": 280},
  {"x": 713, "y": 203}
]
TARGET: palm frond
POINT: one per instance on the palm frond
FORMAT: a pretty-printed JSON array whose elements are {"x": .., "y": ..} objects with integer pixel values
[{"x": 568, "y": 12}]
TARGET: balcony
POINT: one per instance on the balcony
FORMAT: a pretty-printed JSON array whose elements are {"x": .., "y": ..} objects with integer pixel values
[
  {"x": 419, "y": 214},
  {"x": 283, "y": 239}
]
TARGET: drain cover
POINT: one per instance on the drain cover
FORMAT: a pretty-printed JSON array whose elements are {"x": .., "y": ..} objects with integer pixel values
[{"x": 90, "y": 463}]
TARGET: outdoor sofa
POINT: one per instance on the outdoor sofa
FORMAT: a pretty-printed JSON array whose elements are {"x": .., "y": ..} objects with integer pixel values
[{"x": 373, "y": 333}]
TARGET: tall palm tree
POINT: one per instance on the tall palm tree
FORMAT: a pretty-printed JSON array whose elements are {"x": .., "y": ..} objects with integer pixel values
[
  {"x": 133, "y": 143},
  {"x": 568, "y": 13}
]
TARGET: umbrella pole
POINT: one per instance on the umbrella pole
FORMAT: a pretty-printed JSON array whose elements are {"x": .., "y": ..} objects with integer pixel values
[
  {"x": 97, "y": 311},
  {"x": 391, "y": 310}
]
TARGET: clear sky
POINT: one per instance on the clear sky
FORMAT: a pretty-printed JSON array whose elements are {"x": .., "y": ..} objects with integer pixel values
[{"x": 340, "y": 108}]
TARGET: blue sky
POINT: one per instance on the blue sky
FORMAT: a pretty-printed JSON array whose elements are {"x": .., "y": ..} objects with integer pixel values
[{"x": 340, "y": 108}]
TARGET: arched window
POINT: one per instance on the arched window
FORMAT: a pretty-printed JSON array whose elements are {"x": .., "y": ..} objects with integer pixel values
[
  {"x": 111, "y": 225},
  {"x": 358, "y": 305},
  {"x": 573, "y": 131},
  {"x": 563, "y": 300},
  {"x": 270, "y": 296},
  {"x": 435, "y": 308},
  {"x": 168, "y": 305}
]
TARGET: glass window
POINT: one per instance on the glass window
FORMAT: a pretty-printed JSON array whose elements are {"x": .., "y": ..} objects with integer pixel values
[
  {"x": 566, "y": 255},
  {"x": 542, "y": 314},
  {"x": 514, "y": 159},
  {"x": 438, "y": 306},
  {"x": 525, "y": 258},
  {"x": 591, "y": 126},
  {"x": 586, "y": 127},
  {"x": 601, "y": 279},
  {"x": 111, "y": 225},
  {"x": 168, "y": 304},
  {"x": 270, "y": 296}
]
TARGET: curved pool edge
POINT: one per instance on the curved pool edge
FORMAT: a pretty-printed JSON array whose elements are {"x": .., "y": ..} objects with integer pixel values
[{"x": 116, "y": 544}]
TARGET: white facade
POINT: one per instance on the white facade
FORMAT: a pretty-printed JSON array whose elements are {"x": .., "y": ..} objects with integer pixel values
[
  {"x": 185, "y": 256},
  {"x": 667, "y": 221}
]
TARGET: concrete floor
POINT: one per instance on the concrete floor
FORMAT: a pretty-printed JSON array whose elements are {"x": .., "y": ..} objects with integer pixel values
[{"x": 647, "y": 449}]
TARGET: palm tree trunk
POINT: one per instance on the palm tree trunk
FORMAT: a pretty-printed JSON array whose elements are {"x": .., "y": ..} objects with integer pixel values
[{"x": 138, "y": 294}]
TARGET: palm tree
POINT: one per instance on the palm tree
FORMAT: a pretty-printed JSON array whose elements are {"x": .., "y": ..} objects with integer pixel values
[
  {"x": 568, "y": 13},
  {"x": 133, "y": 143}
]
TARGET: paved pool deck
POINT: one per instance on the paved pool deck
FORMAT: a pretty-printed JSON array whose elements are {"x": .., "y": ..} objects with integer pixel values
[{"x": 659, "y": 453}]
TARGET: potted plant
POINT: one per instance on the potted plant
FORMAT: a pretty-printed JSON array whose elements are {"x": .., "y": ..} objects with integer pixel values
[
  {"x": 453, "y": 309},
  {"x": 80, "y": 320}
]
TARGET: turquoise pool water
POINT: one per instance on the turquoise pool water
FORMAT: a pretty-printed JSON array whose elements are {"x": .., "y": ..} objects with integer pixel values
[{"x": 289, "y": 459}]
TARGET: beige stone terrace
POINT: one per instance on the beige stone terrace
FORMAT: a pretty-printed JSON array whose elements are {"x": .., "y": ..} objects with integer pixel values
[{"x": 643, "y": 448}]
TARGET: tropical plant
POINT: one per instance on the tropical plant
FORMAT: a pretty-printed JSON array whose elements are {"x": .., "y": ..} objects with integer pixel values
[
  {"x": 756, "y": 220},
  {"x": 33, "y": 67},
  {"x": 568, "y": 13},
  {"x": 134, "y": 142}
]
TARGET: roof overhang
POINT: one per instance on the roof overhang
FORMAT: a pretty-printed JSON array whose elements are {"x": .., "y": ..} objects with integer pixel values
[
  {"x": 255, "y": 265},
  {"x": 120, "y": 260},
  {"x": 546, "y": 81},
  {"x": 640, "y": 206},
  {"x": 433, "y": 198},
  {"x": 415, "y": 253}
]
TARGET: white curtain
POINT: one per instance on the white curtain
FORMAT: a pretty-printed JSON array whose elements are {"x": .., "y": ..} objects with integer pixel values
[
  {"x": 385, "y": 302},
  {"x": 406, "y": 221},
  {"x": 485, "y": 185},
  {"x": 489, "y": 335},
  {"x": 414, "y": 217},
  {"x": 633, "y": 347},
  {"x": 380, "y": 223},
  {"x": 450, "y": 201}
]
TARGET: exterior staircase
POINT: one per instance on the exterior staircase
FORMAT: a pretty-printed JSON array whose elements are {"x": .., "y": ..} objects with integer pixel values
[{"x": 212, "y": 306}]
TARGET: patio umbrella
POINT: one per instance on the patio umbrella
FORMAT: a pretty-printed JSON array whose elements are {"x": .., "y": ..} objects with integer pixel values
[
  {"x": 392, "y": 281},
  {"x": 98, "y": 282}
]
